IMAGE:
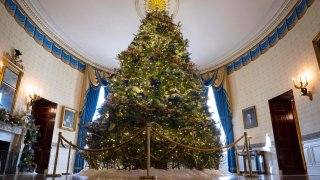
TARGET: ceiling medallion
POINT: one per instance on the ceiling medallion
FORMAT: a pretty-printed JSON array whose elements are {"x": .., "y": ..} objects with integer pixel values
[{"x": 145, "y": 6}]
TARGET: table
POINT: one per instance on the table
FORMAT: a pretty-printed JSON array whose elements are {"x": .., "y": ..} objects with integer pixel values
[{"x": 257, "y": 161}]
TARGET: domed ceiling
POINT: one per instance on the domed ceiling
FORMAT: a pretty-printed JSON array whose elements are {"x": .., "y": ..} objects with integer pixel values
[{"x": 218, "y": 30}]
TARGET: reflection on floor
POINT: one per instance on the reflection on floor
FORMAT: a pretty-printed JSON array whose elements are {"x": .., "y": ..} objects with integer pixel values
[{"x": 262, "y": 177}]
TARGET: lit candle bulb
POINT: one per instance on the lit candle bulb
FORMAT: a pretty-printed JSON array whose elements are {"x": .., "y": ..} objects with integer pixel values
[
  {"x": 300, "y": 77},
  {"x": 306, "y": 80}
]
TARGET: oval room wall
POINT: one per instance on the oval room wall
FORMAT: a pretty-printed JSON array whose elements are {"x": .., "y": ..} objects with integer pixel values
[
  {"x": 59, "y": 82},
  {"x": 271, "y": 75},
  {"x": 252, "y": 85}
]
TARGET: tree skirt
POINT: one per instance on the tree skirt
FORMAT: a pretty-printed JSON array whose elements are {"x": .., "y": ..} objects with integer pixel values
[{"x": 160, "y": 173}]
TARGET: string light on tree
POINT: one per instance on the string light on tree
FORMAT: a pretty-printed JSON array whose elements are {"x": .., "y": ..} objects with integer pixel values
[{"x": 156, "y": 83}]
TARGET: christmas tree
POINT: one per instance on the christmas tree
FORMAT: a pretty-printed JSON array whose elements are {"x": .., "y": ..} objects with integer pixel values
[
  {"x": 26, "y": 163},
  {"x": 158, "y": 83}
]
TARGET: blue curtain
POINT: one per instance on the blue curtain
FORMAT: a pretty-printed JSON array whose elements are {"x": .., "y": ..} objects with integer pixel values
[
  {"x": 220, "y": 96},
  {"x": 209, "y": 82},
  {"x": 223, "y": 107},
  {"x": 103, "y": 82},
  {"x": 88, "y": 110}
]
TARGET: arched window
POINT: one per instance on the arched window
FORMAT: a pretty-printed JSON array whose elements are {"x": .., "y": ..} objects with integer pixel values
[
  {"x": 99, "y": 104},
  {"x": 215, "y": 115}
]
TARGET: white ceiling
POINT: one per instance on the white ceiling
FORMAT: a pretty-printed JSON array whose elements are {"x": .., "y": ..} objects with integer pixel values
[{"x": 100, "y": 29}]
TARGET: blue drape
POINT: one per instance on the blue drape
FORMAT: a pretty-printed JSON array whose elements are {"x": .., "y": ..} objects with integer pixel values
[
  {"x": 222, "y": 104},
  {"x": 220, "y": 96},
  {"x": 103, "y": 82},
  {"x": 88, "y": 110}
]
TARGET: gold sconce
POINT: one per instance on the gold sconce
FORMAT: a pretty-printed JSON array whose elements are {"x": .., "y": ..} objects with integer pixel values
[
  {"x": 33, "y": 96},
  {"x": 1, "y": 64},
  {"x": 302, "y": 85}
]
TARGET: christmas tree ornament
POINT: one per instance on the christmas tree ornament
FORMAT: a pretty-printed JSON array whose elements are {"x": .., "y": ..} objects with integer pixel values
[
  {"x": 155, "y": 84},
  {"x": 112, "y": 126}
]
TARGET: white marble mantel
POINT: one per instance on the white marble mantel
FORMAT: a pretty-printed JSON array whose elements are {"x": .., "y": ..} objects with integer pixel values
[
  {"x": 13, "y": 134},
  {"x": 11, "y": 129}
]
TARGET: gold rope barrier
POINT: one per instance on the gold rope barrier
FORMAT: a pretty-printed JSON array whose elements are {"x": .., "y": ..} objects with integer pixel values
[
  {"x": 225, "y": 148},
  {"x": 149, "y": 131},
  {"x": 68, "y": 163},
  {"x": 61, "y": 139},
  {"x": 54, "y": 174},
  {"x": 104, "y": 149}
]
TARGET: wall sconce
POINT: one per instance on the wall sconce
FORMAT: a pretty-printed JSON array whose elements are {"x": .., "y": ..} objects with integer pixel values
[
  {"x": 303, "y": 87},
  {"x": 1, "y": 64},
  {"x": 33, "y": 96}
]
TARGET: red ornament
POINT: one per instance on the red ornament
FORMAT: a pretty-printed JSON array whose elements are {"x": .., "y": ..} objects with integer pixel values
[{"x": 142, "y": 120}]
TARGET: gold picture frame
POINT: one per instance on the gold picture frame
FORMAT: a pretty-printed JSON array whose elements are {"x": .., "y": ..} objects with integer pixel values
[
  {"x": 249, "y": 117},
  {"x": 316, "y": 45},
  {"x": 17, "y": 72},
  {"x": 68, "y": 119}
]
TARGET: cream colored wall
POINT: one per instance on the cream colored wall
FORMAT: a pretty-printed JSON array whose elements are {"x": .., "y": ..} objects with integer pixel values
[
  {"x": 60, "y": 83},
  {"x": 271, "y": 75}
]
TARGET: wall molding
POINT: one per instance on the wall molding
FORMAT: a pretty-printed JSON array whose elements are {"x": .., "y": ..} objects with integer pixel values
[
  {"x": 260, "y": 35},
  {"x": 307, "y": 137},
  {"x": 311, "y": 148},
  {"x": 256, "y": 145},
  {"x": 40, "y": 37},
  {"x": 32, "y": 12},
  {"x": 46, "y": 38},
  {"x": 271, "y": 40},
  {"x": 311, "y": 136},
  {"x": 59, "y": 48},
  {"x": 274, "y": 32}
]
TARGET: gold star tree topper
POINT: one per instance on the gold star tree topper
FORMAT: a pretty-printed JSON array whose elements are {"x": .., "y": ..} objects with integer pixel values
[
  {"x": 145, "y": 6},
  {"x": 154, "y": 5}
]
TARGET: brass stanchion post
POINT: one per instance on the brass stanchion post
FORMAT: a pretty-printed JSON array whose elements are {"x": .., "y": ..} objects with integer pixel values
[
  {"x": 148, "y": 154},
  {"x": 248, "y": 154},
  {"x": 69, "y": 154},
  {"x": 237, "y": 162},
  {"x": 56, "y": 159},
  {"x": 148, "y": 149}
]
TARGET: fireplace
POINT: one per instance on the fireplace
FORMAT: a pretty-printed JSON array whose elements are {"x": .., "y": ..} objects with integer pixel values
[
  {"x": 4, "y": 149},
  {"x": 11, "y": 139}
]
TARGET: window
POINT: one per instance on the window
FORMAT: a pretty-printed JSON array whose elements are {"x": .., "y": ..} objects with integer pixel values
[
  {"x": 99, "y": 104},
  {"x": 215, "y": 115}
]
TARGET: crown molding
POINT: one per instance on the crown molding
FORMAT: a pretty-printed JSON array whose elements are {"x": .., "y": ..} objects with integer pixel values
[
  {"x": 62, "y": 40},
  {"x": 281, "y": 14}
]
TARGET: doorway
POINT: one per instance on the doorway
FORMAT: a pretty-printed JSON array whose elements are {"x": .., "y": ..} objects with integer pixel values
[
  {"x": 287, "y": 135},
  {"x": 44, "y": 113}
]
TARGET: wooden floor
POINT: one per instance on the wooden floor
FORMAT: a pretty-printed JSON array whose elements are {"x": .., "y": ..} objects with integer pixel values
[{"x": 269, "y": 177}]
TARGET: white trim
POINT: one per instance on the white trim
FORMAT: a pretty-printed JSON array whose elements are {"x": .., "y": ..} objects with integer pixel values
[
  {"x": 56, "y": 34},
  {"x": 266, "y": 30}
]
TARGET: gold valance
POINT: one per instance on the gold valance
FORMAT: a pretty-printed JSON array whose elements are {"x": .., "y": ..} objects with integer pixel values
[
  {"x": 90, "y": 76},
  {"x": 220, "y": 80}
]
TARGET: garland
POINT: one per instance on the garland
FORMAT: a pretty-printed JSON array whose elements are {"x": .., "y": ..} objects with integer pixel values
[
  {"x": 27, "y": 122},
  {"x": 26, "y": 161}
]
